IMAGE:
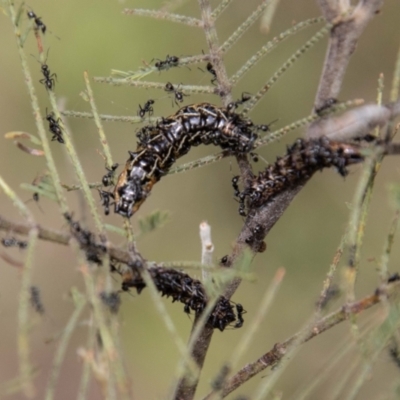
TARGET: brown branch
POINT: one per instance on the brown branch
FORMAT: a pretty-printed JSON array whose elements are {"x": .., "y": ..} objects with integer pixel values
[
  {"x": 186, "y": 388},
  {"x": 354, "y": 123},
  {"x": 349, "y": 25},
  {"x": 273, "y": 356},
  {"x": 56, "y": 237}
]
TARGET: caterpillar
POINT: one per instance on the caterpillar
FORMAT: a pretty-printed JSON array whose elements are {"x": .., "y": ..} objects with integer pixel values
[
  {"x": 302, "y": 160},
  {"x": 160, "y": 145},
  {"x": 170, "y": 282},
  {"x": 181, "y": 287}
]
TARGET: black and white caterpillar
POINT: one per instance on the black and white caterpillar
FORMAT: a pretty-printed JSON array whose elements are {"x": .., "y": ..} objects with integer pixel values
[
  {"x": 301, "y": 161},
  {"x": 160, "y": 145},
  {"x": 181, "y": 287}
]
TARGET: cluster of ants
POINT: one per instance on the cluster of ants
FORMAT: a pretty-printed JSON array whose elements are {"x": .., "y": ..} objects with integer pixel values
[{"x": 170, "y": 62}]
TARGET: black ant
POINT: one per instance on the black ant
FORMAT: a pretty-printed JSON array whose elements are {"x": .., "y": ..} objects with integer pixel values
[
  {"x": 38, "y": 21},
  {"x": 242, "y": 210},
  {"x": 328, "y": 103},
  {"x": 211, "y": 70},
  {"x": 240, "y": 195},
  {"x": 12, "y": 241},
  {"x": 147, "y": 108},
  {"x": 169, "y": 62},
  {"x": 393, "y": 278},
  {"x": 105, "y": 200},
  {"x": 240, "y": 311},
  {"x": 107, "y": 178},
  {"x": 235, "y": 104},
  {"x": 170, "y": 88},
  {"x": 186, "y": 308},
  {"x": 256, "y": 239},
  {"x": 49, "y": 79},
  {"x": 112, "y": 300},
  {"x": 35, "y": 300},
  {"x": 235, "y": 185},
  {"x": 254, "y": 156},
  {"x": 224, "y": 260},
  {"x": 55, "y": 128}
]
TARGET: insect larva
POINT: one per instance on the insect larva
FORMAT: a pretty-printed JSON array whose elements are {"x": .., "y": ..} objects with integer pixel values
[{"x": 162, "y": 144}]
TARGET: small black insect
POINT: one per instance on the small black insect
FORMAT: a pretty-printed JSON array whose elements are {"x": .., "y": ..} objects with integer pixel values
[
  {"x": 94, "y": 250},
  {"x": 242, "y": 209},
  {"x": 235, "y": 185},
  {"x": 235, "y": 104},
  {"x": 393, "y": 278},
  {"x": 328, "y": 103},
  {"x": 112, "y": 300},
  {"x": 107, "y": 179},
  {"x": 55, "y": 128},
  {"x": 35, "y": 299},
  {"x": 39, "y": 25},
  {"x": 13, "y": 242},
  {"x": 170, "y": 88},
  {"x": 105, "y": 200},
  {"x": 49, "y": 79},
  {"x": 147, "y": 108},
  {"x": 223, "y": 260},
  {"x": 186, "y": 308},
  {"x": 211, "y": 70},
  {"x": 254, "y": 156},
  {"x": 169, "y": 62},
  {"x": 240, "y": 311}
]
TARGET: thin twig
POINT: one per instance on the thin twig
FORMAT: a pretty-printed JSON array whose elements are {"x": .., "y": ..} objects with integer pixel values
[
  {"x": 100, "y": 129},
  {"x": 157, "y": 14},
  {"x": 270, "y": 46},
  {"x": 241, "y": 30},
  {"x": 278, "y": 351},
  {"x": 289, "y": 63},
  {"x": 59, "y": 356}
]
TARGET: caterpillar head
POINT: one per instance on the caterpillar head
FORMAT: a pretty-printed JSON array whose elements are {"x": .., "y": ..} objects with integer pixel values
[{"x": 129, "y": 193}]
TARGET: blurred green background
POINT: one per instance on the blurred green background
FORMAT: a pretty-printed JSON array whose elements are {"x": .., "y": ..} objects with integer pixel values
[{"x": 97, "y": 37}]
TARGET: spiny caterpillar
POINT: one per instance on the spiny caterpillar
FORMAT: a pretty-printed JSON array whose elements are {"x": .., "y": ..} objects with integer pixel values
[
  {"x": 181, "y": 287},
  {"x": 162, "y": 144},
  {"x": 302, "y": 160},
  {"x": 170, "y": 282}
]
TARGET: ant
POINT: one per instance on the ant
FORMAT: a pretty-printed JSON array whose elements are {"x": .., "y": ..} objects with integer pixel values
[
  {"x": 235, "y": 185},
  {"x": 256, "y": 239},
  {"x": 54, "y": 126},
  {"x": 49, "y": 79},
  {"x": 112, "y": 300},
  {"x": 12, "y": 241},
  {"x": 235, "y": 104},
  {"x": 327, "y": 104},
  {"x": 169, "y": 62},
  {"x": 107, "y": 178},
  {"x": 105, "y": 200},
  {"x": 170, "y": 88},
  {"x": 35, "y": 299},
  {"x": 224, "y": 260},
  {"x": 211, "y": 70},
  {"x": 238, "y": 193},
  {"x": 38, "y": 21},
  {"x": 147, "y": 108},
  {"x": 240, "y": 311}
]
